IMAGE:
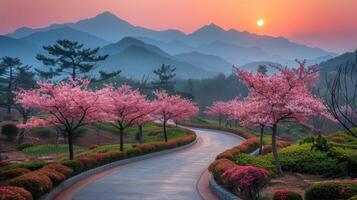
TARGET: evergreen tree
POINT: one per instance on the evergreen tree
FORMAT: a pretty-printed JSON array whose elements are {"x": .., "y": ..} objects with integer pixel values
[
  {"x": 262, "y": 69},
  {"x": 71, "y": 58},
  {"x": 13, "y": 75},
  {"x": 165, "y": 74}
]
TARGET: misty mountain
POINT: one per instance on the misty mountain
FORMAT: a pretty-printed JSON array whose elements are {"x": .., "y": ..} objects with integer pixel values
[
  {"x": 26, "y": 51},
  {"x": 233, "y": 46},
  {"x": 333, "y": 64},
  {"x": 208, "y": 62},
  {"x": 272, "y": 45},
  {"x": 51, "y": 36},
  {"x": 254, "y": 66},
  {"x": 126, "y": 42},
  {"x": 138, "y": 61},
  {"x": 171, "y": 47},
  {"x": 233, "y": 53},
  {"x": 106, "y": 26}
]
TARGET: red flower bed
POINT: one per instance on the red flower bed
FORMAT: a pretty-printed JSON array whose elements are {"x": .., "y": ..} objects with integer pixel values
[
  {"x": 246, "y": 180},
  {"x": 37, "y": 184},
  {"x": 14, "y": 193},
  {"x": 12, "y": 173},
  {"x": 88, "y": 162},
  {"x": 4, "y": 163},
  {"x": 247, "y": 146},
  {"x": 55, "y": 176},
  {"x": 284, "y": 194},
  {"x": 93, "y": 146},
  {"x": 61, "y": 169},
  {"x": 218, "y": 167}
]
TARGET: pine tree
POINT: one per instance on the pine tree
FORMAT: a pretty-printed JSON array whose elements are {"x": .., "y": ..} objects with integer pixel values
[
  {"x": 165, "y": 73},
  {"x": 13, "y": 75},
  {"x": 71, "y": 58}
]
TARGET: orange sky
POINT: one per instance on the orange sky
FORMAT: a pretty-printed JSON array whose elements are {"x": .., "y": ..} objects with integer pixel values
[{"x": 330, "y": 24}]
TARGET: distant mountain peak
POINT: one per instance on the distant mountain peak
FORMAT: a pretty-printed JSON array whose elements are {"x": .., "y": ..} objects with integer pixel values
[
  {"x": 106, "y": 14},
  {"x": 210, "y": 28}
]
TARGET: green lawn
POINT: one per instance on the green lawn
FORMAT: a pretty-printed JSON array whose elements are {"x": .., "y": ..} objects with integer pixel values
[
  {"x": 50, "y": 149},
  {"x": 152, "y": 132}
]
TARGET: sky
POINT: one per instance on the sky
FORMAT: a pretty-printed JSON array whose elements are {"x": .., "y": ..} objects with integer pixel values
[{"x": 329, "y": 24}]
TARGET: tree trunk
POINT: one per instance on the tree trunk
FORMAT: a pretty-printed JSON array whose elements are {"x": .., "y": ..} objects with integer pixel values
[
  {"x": 70, "y": 145},
  {"x": 121, "y": 131},
  {"x": 165, "y": 132},
  {"x": 220, "y": 121},
  {"x": 275, "y": 152},
  {"x": 9, "y": 92},
  {"x": 261, "y": 139},
  {"x": 140, "y": 134}
]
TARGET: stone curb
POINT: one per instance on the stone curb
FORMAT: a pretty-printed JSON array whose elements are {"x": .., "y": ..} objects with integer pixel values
[
  {"x": 71, "y": 181},
  {"x": 219, "y": 191}
]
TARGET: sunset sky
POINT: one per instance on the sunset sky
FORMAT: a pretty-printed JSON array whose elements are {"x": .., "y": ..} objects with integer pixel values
[{"x": 329, "y": 24}]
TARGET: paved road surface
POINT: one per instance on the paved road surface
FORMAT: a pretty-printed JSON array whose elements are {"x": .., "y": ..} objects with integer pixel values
[{"x": 169, "y": 177}]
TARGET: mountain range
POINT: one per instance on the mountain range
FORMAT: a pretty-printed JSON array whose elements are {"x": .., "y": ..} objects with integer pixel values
[{"x": 137, "y": 50}]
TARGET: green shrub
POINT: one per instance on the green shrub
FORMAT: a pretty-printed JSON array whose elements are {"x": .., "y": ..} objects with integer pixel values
[
  {"x": 37, "y": 184},
  {"x": 353, "y": 198},
  {"x": 300, "y": 158},
  {"x": 14, "y": 193},
  {"x": 10, "y": 131},
  {"x": 75, "y": 165},
  {"x": 23, "y": 146},
  {"x": 12, "y": 173},
  {"x": 331, "y": 190},
  {"x": 284, "y": 194},
  {"x": 258, "y": 161}
]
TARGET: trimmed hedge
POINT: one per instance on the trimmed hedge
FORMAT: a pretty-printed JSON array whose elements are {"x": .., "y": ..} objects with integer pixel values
[
  {"x": 66, "y": 171},
  {"x": 331, "y": 190},
  {"x": 76, "y": 165},
  {"x": 14, "y": 193},
  {"x": 218, "y": 167},
  {"x": 55, "y": 176},
  {"x": 241, "y": 132},
  {"x": 12, "y": 173},
  {"x": 247, "y": 146},
  {"x": 37, "y": 184},
  {"x": 285, "y": 194},
  {"x": 246, "y": 160}
]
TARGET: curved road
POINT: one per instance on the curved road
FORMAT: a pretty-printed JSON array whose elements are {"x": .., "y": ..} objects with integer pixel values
[{"x": 171, "y": 176}]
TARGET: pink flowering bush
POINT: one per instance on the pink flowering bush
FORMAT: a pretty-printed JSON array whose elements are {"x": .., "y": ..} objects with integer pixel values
[
  {"x": 14, "y": 193},
  {"x": 284, "y": 194},
  {"x": 247, "y": 181}
]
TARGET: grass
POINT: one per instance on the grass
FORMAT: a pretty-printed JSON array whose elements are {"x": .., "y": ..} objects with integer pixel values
[
  {"x": 50, "y": 149},
  {"x": 152, "y": 132},
  {"x": 106, "y": 148}
]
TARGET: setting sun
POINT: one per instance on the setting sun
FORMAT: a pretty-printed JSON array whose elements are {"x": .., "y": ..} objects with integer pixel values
[{"x": 260, "y": 22}]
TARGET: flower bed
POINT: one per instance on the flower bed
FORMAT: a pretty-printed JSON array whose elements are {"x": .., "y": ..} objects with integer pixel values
[{"x": 44, "y": 176}]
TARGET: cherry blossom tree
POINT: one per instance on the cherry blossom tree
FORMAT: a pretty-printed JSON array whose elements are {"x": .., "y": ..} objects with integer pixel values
[
  {"x": 281, "y": 97},
  {"x": 218, "y": 108},
  {"x": 172, "y": 107},
  {"x": 66, "y": 105},
  {"x": 124, "y": 107}
]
